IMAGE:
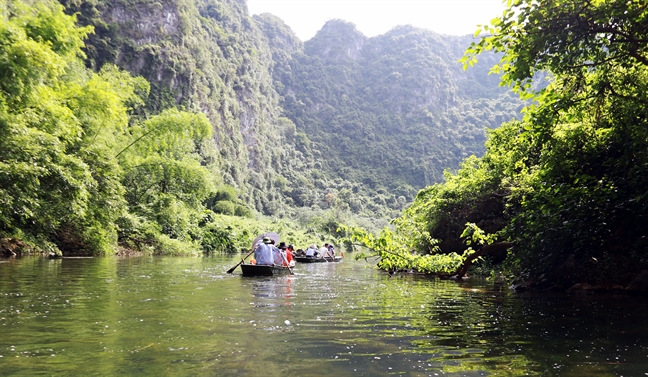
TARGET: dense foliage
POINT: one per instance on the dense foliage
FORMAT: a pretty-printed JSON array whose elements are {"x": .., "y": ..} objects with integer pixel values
[
  {"x": 567, "y": 184},
  {"x": 205, "y": 56},
  {"x": 139, "y": 123},
  {"x": 385, "y": 115},
  {"x": 79, "y": 172},
  {"x": 294, "y": 127}
]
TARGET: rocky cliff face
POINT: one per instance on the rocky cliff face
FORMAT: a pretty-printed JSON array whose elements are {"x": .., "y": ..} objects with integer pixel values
[
  {"x": 336, "y": 42},
  {"x": 206, "y": 56},
  {"x": 412, "y": 65},
  {"x": 294, "y": 122},
  {"x": 393, "y": 110}
]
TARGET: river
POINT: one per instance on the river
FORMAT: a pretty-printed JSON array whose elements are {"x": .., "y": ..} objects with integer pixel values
[{"x": 174, "y": 316}]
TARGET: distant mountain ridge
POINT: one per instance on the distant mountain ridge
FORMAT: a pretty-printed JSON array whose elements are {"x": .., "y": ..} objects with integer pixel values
[
  {"x": 341, "y": 120},
  {"x": 393, "y": 110}
]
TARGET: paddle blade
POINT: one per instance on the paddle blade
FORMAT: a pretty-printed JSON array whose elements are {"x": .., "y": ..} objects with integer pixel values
[{"x": 239, "y": 263}]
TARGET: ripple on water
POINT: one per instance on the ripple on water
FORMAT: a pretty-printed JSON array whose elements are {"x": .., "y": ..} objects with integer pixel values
[{"x": 186, "y": 316}]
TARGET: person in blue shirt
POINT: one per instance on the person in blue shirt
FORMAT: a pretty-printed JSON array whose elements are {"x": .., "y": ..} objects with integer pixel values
[
  {"x": 331, "y": 250},
  {"x": 264, "y": 252}
]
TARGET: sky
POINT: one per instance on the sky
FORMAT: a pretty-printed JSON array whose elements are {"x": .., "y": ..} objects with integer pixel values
[{"x": 375, "y": 17}]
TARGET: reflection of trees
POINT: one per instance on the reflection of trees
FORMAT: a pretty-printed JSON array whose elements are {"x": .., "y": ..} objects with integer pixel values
[
  {"x": 156, "y": 312},
  {"x": 443, "y": 325},
  {"x": 433, "y": 325}
]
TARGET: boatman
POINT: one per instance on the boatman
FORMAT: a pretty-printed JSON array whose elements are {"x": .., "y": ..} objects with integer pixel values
[
  {"x": 331, "y": 250},
  {"x": 263, "y": 253}
]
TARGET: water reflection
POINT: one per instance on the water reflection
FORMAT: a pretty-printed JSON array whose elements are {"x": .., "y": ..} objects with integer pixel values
[{"x": 186, "y": 316}]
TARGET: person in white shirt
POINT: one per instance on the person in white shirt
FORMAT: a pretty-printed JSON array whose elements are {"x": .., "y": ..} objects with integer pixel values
[
  {"x": 323, "y": 251},
  {"x": 312, "y": 252}
]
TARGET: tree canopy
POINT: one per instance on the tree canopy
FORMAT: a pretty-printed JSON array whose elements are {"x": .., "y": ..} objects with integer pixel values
[
  {"x": 78, "y": 170},
  {"x": 565, "y": 186},
  {"x": 567, "y": 38}
]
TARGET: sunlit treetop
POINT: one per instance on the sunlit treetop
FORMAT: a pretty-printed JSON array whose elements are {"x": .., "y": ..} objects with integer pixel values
[{"x": 564, "y": 37}]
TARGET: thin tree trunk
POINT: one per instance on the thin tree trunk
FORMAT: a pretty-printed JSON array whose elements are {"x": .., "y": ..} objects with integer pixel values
[{"x": 461, "y": 272}]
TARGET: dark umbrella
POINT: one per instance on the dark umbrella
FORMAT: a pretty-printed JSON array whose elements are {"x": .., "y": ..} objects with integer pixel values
[{"x": 272, "y": 235}]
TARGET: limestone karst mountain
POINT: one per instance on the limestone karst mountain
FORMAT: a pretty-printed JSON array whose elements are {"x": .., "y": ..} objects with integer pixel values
[{"x": 339, "y": 120}]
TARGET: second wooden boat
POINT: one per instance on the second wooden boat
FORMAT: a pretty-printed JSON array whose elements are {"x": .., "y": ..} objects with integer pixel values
[{"x": 317, "y": 260}]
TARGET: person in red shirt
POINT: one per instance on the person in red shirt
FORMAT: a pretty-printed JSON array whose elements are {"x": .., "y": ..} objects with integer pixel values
[
  {"x": 287, "y": 252},
  {"x": 289, "y": 255}
]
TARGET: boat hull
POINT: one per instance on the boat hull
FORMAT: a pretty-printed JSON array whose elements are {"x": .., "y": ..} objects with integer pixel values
[
  {"x": 260, "y": 270},
  {"x": 317, "y": 260}
]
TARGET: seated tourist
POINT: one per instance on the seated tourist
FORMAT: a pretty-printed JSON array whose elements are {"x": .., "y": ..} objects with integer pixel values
[
  {"x": 312, "y": 252},
  {"x": 323, "y": 251},
  {"x": 277, "y": 255},
  {"x": 263, "y": 254},
  {"x": 290, "y": 250},
  {"x": 331, "y": 251}
]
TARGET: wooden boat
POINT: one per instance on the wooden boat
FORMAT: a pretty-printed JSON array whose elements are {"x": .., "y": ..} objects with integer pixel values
[
  {"x": 317, "y": 260},
  {"x": 263, "y": 270}
]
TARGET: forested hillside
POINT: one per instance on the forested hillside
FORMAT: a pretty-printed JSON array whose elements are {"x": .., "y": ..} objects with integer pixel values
[
  {"x": 385, "y": 115},
  {"x": 559, "y": 196},
  {"x": 342, "y": 120},
  {"x": 164, "y": 113},
  {"x": 204, "y": 56}
]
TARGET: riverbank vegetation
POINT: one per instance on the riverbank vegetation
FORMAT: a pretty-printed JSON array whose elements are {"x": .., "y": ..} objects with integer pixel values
[
  {"x": 131, "y": 126},
  {"x": 80, "y": 169},
  {"x": 564, "y": 189},
  {"x": 86, "y": 168}
]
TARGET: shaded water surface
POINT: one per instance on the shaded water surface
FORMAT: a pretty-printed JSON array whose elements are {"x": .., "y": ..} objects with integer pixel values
[{"x": 187, "y": 317}]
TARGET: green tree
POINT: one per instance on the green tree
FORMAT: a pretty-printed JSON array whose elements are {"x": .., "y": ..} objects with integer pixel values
[
  {"x": 566, "y": 185},
  {"x": 164, "y": 180},
  {"x": 55, "y": 178},
  {"x": 567, "y": 38},
  {"x": 76, "y": 168},
  {"x": 572, "y": 174}
]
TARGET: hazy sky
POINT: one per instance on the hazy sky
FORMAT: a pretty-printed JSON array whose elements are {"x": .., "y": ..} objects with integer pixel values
[{"x": 375, "y": 17}]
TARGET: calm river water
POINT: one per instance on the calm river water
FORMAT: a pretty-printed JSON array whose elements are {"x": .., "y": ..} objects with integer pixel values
[{"x": 187, "y": 317}]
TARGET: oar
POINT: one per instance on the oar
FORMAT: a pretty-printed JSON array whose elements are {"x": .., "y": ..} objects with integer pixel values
[{"x": 242, "y": 260}]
